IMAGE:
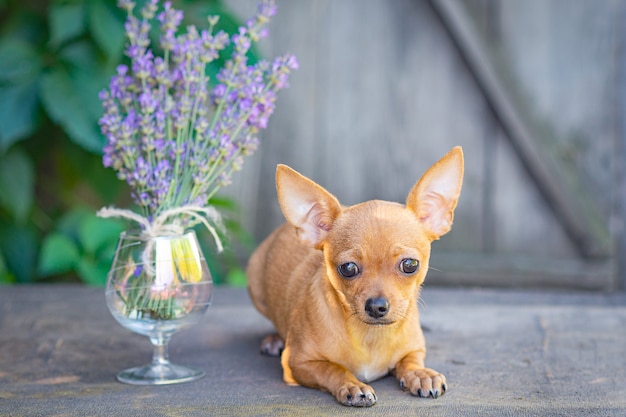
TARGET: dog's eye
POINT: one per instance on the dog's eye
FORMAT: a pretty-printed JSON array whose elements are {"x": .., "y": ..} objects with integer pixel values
[
  {"x": 348, "y": 270},
  {"x": 409, "y": 265}
]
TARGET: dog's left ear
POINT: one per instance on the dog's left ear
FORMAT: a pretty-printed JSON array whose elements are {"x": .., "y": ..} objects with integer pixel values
[
  {"x": 307, "y": 206},
  {"x": 434, "y": 197}
]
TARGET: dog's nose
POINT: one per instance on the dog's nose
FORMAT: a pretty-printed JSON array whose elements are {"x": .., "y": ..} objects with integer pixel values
[{"x": 377, "y": 307}]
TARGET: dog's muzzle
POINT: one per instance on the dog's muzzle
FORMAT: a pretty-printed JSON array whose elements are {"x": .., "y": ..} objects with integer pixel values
[{"x": 377, "y": 308}]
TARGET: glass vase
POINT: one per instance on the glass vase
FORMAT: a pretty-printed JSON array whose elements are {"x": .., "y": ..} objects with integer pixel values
[{"x": 156, "y": 287}]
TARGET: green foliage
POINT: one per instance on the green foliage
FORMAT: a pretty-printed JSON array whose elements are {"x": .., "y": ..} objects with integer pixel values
[
  {"x": 18, "y": 245},
  {"x": 56, "y": 56},
  {"x": 19, "y": 70},
  {"x": 83, "y": 244},
  {"x": 17, "y": 180}
]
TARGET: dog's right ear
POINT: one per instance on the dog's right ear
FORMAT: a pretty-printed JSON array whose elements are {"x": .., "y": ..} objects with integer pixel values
[{"x": 308, "y": 207}]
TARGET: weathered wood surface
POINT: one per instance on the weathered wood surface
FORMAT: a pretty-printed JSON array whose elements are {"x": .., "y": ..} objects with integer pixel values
[
  {"x": 382, "y": 93},
  {"x": 504, "y": 353},
  {"x": 567, "y": 199}
]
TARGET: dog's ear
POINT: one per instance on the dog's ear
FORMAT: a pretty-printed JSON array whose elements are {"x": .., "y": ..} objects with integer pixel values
[
  {"x": 308, "y": 207},
  {"x": 434, "y": 197}
]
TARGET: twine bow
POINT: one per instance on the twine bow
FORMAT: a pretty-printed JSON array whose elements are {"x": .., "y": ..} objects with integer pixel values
[{"x": 163, "y": 226}]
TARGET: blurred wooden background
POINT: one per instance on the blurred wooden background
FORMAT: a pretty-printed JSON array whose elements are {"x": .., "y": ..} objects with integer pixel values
[{"x": 533, "y": 91}]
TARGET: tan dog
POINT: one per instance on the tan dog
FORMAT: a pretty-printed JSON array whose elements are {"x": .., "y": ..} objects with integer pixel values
[{"x": 341, "y": 284}]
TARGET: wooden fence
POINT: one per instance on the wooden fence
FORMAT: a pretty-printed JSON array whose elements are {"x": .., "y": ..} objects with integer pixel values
[{"x": 530, "y": 89}]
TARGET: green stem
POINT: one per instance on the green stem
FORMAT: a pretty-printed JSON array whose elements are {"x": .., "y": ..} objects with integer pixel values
[
  {"x": 211, "y": 180},
  {"x": 220, "y": 107},
  {"x": 186, "y": 181},
  {"x": 170, "y": 307}
]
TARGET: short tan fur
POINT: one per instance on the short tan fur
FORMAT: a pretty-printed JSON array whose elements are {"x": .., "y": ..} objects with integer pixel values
[{"x": 341, "y": 284}]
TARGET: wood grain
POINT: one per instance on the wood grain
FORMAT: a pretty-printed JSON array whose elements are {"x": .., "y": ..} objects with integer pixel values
[{"x": 382, "y": 93}]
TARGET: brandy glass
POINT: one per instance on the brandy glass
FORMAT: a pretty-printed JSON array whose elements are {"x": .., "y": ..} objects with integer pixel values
[{"x": 156, "y": 287}]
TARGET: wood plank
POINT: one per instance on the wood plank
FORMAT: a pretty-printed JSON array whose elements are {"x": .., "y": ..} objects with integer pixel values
[
  {"x": 568, "y": 200},
  {"x": 382, "y": 93},
  {"x": 519, "y": 271}
]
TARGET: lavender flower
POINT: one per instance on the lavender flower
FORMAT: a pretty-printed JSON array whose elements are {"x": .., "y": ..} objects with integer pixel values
[{"x": 173, "y": 137}]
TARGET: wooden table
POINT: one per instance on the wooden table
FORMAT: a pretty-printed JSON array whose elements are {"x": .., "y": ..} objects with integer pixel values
[{"x": 504, "y": 353}]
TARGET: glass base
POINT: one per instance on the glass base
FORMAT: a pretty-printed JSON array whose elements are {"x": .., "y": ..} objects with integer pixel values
[{"x": 159, "y": 374}]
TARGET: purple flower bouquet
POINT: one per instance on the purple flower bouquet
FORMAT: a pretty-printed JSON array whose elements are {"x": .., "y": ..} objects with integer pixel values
[
  {"x": 176, "y": 136},
  {"x": 171, "y": 134}
]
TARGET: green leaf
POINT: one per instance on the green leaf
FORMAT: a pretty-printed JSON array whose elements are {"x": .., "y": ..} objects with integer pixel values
[
  {"x": 75, "y": 165},
  {"x": 19, "y": 68},
  {"x": 224, "y": 203},
  {"x": 87, "y": 75},
  {"x": 105, "y": 183},
  {"x": 69, "y": 224},
  {"x": 66, "y": 22},
  {"x": 79, "y": 55},
  {"x": 93, "y": 273},
  {"x": 5, "y": 275},
  {"x": 88, "y": 85},
  {"x": 18, "y": 112},
  {"x": 97, "y": 234},
  {"x": 17, "y": 184},
  {"x": 18, "y": 245},
  {"x": 63, "y": 103},
  {"x": 6, "y": 278},
  {"x": 19, "y": 60},
  {"x": 59, "y": 255},
  {"x": 107, "y": 28},
  {"x": 237, "y": 278}
]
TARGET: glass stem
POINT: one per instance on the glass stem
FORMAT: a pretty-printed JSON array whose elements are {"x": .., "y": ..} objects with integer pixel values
[{"x": 160, "y": 355}]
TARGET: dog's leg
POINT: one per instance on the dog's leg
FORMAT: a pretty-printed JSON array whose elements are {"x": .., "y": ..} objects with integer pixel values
[
  {"x": 272, "y": 345},
  {"x": 331, "y": 377},
  {"x": 420, "y": 381}
]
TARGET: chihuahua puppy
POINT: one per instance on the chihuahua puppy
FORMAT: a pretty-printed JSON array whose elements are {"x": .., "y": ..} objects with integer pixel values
[{"x": 341, "y": 284}]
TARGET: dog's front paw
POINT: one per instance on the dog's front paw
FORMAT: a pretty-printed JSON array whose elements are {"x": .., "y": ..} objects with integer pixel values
[
  {"x": 356, "y": 395},
  {"x": 424, "y": 383}
]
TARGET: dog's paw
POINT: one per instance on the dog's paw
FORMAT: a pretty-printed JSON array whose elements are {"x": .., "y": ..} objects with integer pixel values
[
  {"x": 424, "y": 383},
  {"x": 272, "y": 345},
  {"x": 356, "y": 395}
]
